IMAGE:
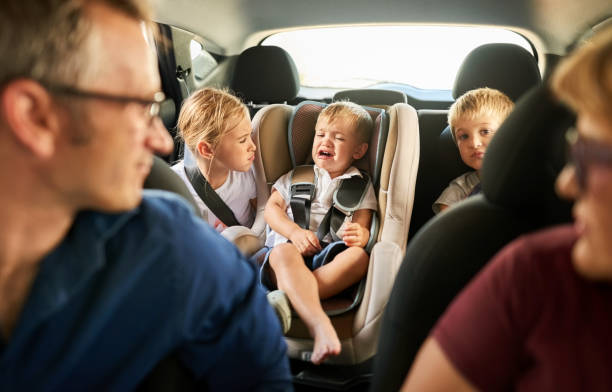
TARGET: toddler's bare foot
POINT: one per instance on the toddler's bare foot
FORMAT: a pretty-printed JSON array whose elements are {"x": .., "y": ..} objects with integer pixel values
[{"x": 326, "y": 342}]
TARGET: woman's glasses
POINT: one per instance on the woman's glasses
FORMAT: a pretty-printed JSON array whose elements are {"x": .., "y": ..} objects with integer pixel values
[{"x": 585, "y": 153}]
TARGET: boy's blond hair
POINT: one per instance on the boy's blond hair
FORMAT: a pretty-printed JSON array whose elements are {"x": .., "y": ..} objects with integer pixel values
[
  {"x": 207, "y": 115},
  {"x": 357, "y": 116},
  {"x": 479, "y": 102},
  {"x": 584, "y": 80}
]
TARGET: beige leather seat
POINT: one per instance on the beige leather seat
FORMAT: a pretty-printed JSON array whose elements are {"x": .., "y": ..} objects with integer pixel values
[{"x": 392, "y": 162}]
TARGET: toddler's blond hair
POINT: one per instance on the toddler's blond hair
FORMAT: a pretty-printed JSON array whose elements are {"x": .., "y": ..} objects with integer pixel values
[{"x": 357, "y": 116}]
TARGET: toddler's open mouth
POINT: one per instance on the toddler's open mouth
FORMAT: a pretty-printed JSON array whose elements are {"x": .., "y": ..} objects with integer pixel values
[{"x": 325, "y": 154}]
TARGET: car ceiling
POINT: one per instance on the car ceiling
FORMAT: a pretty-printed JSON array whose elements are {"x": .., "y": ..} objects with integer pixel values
[{"x": 233, "y": 25}]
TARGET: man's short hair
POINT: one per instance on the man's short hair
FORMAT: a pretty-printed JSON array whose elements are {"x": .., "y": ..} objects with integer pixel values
[
  {"x": 584, "y": 80},
  {"x": 479, "y": 102},
  {"x": 356, "y": 114},
  {"x": 45, "y": 40}
]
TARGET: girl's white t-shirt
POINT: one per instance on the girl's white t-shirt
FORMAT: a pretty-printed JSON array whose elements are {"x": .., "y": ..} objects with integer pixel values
[{"x": 236, "y": 191}]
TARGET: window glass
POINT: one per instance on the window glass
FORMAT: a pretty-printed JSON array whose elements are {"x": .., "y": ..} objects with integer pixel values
[
  {"x": 424, "y": 57},
  {"x": 202, "y": 62}
]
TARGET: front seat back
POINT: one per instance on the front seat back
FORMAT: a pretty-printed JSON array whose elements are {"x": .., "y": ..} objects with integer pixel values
[
  {"x": 392, "y": 160},
  {"x": 518, "y": 176}
]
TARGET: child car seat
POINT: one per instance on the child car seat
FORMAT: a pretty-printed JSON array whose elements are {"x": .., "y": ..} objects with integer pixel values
[{"x": 391, "y": 161}]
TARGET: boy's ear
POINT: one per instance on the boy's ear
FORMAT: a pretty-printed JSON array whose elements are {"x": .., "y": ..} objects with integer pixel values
[
  {"x": 360, "y": 151},
  {"x": 29, "y": 112},
  {"x": 205, "y": 150}
]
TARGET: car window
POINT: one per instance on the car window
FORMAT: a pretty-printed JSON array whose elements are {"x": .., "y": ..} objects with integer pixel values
[
  {"x": 202, "y": 61},
  {"x": 421, "y": 57}
]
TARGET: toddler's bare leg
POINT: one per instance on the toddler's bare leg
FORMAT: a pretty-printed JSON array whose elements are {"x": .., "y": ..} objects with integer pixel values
[
  {"x": 346, "y": 269},
  {"x": 298, "y": 282}
]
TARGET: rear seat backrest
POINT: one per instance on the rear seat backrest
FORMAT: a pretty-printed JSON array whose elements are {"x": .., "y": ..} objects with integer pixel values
[{"x": 505, "y": 67}]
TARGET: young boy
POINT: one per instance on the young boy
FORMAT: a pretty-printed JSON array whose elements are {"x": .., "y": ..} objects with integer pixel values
[
  {"x": 473, "y": 119},
  {"x": 342, "y": 133}
]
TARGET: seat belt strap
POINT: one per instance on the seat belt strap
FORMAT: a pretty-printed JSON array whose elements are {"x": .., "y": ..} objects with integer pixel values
[
  {"x": 301, "y": 194},
  {"x": 211, "y": 198},
  {"x": 346, "y": 200}
]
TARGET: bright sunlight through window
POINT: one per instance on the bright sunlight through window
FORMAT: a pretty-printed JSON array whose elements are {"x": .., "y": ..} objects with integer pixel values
[{"x": 425, "y": 57}]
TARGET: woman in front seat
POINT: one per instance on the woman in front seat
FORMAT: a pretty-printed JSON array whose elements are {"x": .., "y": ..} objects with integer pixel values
[{"x": 538, "y": 318}]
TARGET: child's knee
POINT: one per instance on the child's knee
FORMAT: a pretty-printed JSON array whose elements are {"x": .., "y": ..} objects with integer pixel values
[
  {"x": 357, "y": 253},
  {"x": 283, "y": 254}
]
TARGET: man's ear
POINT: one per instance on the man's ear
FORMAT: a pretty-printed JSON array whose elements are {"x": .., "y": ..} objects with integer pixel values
[
  {"x": 360, "y": 151},
  {"x": 31, "y": 116},
  {"x": 205, "y": 150}
]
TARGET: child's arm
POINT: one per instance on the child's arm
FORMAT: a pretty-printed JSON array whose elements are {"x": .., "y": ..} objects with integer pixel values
[
  {"x": 305, "y": 240},
  {"x": 356, "y": 232}
]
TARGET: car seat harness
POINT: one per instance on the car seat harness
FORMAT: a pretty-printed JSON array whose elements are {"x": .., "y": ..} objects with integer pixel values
[{"x": 346, "y": 200}]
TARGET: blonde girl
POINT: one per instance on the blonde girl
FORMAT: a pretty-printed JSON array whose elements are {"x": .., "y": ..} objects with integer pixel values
[{"x": 216, "y": 128}]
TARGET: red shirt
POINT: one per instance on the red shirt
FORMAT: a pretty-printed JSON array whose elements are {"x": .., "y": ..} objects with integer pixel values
[{"x": 528, "y": 322}]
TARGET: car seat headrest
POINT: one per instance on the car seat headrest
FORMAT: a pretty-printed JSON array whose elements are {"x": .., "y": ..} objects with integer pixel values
[
  {"x": 505, "y": 67},
  {"x": 526, "y": 155},
  {"x": 372, "y": 97},
  {"x": 162, "y": 177},
  {"x": 302, "y": 130},
  {"x": 265, "y": 74},
  {"x": 167, "y": 112}
]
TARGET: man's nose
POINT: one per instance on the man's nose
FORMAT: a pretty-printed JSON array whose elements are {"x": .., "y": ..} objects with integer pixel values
[{"x": 158, "y": 138}]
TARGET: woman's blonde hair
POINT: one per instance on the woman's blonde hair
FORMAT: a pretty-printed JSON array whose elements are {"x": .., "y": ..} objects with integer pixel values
[
  {"x": 207, "y": 115},
  {"x": 479, "y": 102},
  {"x": 584, "y": 79}
]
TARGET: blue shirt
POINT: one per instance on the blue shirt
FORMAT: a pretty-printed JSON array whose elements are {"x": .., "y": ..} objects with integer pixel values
[{"x": 122, "y": 291}]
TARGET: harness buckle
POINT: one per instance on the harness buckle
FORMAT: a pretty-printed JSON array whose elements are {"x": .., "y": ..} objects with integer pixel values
[{"x": 302, "y": 190}]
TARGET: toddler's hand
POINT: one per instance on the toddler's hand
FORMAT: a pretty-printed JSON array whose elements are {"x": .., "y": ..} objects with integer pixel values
[
  {"x": 355, "y": 235},
  {"x": 306, "y": 241}
]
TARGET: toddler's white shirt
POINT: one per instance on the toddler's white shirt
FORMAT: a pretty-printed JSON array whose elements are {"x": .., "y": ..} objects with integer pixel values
[{"x": 322, "y": 202}]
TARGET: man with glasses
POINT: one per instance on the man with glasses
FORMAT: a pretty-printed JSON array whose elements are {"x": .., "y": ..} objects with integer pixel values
[
  {"x": 99, "y": 282},
  {"x": 538, "y": 316}
]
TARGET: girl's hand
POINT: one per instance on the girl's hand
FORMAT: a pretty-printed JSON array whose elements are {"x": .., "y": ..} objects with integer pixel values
[
  {"x": 305, "y": 241},
  {"x": 355, "y": 235}
]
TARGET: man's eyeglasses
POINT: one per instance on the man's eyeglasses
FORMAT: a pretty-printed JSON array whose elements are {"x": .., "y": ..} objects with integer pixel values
[
  {"x": 152, "y": 106},
  {"x": 585, "y": 153}
]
